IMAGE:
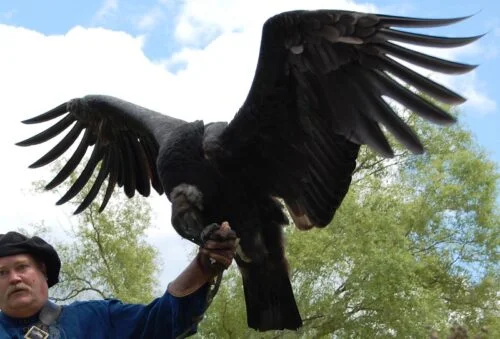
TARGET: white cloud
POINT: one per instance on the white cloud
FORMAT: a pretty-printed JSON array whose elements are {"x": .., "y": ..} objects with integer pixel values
[
  {"x": 200, "y": 16},
  {"x": 8, "y": 14},
  {"x": 150, "y": 19},
  {"x": 107, "y": 8},
  {"x": 473, "y": 89},
  {"x": 404, "y": 8}
]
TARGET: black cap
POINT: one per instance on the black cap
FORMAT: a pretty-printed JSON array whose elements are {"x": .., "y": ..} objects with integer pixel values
[{"x": 13, "y": 243}]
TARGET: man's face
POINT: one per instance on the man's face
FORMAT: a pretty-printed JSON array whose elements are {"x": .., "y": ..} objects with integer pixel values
[{"x": 23, "y": 286}]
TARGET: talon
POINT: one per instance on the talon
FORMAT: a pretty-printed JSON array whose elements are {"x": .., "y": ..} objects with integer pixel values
[{"x": 207, "y": 231}]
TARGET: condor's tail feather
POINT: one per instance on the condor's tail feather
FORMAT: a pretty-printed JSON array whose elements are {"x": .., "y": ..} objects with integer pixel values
[{"x": 269, "y": 298}]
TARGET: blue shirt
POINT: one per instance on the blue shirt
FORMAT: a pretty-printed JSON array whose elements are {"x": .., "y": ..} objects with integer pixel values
[{"x": 165, "y": 317}]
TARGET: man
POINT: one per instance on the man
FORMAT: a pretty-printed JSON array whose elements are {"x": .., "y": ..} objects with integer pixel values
[{"x": 30, "y": 266}]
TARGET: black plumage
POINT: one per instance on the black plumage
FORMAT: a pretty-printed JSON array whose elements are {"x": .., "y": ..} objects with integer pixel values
[{"x": 315, "y": 98}]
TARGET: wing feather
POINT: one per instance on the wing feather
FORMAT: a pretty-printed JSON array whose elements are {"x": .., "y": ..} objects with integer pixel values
[
  {"x": 414, "y": 102},
  {"x": 418, "y": 81},
  {"x": 423, "y": 60},
  {"x": 386, "y": 34},
  {"x": 113, "y": 176},
  {"x": 399, "y": 21},
  {"x": 124, "y": 137},
  {"x": 129, "y": 183},
  {"x": 49, "y": 133},
  {"x": 151, "y": 148},
  {"x": 49, "y": 115},
  {"x": 83, "y": 178},
  {"x": 94, "y": 190},
  {"x": 72, "y": 163},
  {"x": 325, "y": 76},
  {"x": 142, "y": 169},
  {"x": 60, "y": 148}
]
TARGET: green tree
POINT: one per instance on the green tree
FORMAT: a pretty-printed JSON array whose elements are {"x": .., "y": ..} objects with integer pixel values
[
  {"x": 108, "y": 256},
  {"x": 413, "y": 250}
]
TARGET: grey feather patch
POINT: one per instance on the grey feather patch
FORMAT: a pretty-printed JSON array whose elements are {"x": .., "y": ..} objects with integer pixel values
[
  {"x": 330, "y": 33},
  {"x": 297, "y": 49},
  {"x": 192, "y": 194},
  {"x": 350, "y": 40}
]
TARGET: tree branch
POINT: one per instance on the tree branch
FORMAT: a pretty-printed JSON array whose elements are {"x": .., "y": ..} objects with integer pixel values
[{"x": 102, "y": 252}]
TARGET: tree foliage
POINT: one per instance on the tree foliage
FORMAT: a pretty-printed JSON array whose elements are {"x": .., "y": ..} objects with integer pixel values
[
  {"x": 413, "y": 251},
  {"x": 108, "y": 256}
]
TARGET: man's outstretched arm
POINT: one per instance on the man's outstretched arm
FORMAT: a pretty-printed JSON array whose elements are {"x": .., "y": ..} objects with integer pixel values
[{"x": 214, "y": 256}]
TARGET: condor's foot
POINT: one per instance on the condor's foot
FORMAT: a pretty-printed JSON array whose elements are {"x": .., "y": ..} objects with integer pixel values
[{"x": 187, "y": 205}]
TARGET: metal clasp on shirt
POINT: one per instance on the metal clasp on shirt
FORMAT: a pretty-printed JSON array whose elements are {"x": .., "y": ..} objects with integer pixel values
[{"x": 36, "y": 333}]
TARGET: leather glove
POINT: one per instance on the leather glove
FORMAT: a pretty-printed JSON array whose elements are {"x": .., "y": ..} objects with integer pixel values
[{"x": 218, "y": 249}]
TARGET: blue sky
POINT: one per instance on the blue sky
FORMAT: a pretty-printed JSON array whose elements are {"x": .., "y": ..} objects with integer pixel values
[{"x": 191, "y": 59}]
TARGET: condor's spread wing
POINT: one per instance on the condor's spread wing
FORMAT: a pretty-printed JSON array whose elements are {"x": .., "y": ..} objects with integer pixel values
[
  {"x": 125, "y": 139},
  {"x": 318, "y": 94}
]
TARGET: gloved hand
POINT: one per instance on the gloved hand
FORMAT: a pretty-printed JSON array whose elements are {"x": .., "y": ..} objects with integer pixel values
[
  {"x": 218, "y": 249},
  {"x": 215, "y": 255}
]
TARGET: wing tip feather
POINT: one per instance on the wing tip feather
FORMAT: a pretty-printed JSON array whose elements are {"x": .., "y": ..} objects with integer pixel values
[{"x": 401, "y": 21}]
